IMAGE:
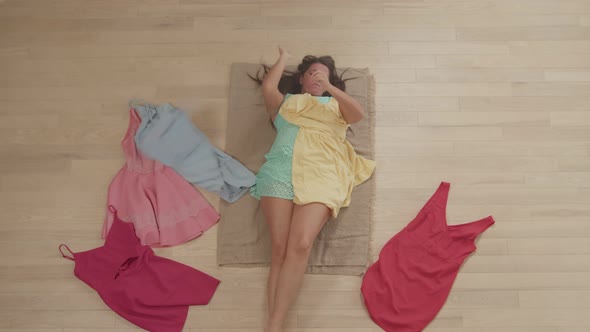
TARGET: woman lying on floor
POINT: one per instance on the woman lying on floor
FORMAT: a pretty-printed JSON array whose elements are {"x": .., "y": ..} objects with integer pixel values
[{"x": 310, "y": 170}]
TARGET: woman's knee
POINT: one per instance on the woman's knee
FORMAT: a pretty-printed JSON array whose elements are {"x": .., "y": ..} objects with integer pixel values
[
  {"x": 308, "y": 220},
  {"x": 301, "y": 247},
  {"x": 278, "y": 253}
]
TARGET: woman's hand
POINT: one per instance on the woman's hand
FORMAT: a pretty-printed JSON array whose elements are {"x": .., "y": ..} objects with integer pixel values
[
  {"x": 283, "y": 53},
  {"x": 322, "y": 79}
]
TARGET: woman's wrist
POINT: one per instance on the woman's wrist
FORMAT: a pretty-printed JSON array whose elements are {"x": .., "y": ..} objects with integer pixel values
[{"x": 331, "y": 89}]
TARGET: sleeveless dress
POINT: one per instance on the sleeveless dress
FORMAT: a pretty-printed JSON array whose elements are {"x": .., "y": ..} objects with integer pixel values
[
  {"x": 311, "y": 160},
  {"x": 165, "y": 209},
  {"x": 151, "y": 292},
  {"x": 168, "y": 134},
  {"x": 405, "y": 289}
]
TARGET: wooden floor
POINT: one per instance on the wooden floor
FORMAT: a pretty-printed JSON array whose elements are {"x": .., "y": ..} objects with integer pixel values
[{"x": 490, "y": 95}]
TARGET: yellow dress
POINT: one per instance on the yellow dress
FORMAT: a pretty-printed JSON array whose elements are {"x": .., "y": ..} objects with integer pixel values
[{"x": 325, "y": 167}]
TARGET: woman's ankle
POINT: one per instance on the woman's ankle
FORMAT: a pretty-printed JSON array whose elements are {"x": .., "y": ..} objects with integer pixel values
[{"x": 273, "y": 326}]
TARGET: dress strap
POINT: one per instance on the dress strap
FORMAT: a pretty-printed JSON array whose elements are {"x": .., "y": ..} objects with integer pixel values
[
  {"x": 72, "y": 257},
  {"x": 473, "y": 229},
  {"x": 439, "y": 198},
  {"x": 479, "y": 226},
  {"x": 437, "y": 204}
]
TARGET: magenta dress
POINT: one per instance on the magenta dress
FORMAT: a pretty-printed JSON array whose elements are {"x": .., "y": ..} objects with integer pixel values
[
  {"x": 151, "y": 292},
  {"x": 165, "y": 209}
]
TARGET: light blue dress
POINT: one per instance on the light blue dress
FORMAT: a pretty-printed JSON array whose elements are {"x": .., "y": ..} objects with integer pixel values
[{"x": 167, "y": 134}]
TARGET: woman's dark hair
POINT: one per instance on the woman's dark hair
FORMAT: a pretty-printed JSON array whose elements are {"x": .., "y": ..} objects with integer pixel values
[{"x": 289, "y": 82}]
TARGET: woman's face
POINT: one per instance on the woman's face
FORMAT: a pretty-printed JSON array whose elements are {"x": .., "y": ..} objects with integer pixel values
[{"x": 307, "y": 84}]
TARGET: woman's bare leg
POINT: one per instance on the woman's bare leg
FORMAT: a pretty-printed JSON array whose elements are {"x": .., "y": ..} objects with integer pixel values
[
  {"x": 307, "y": 222},
  {"x": 278, "y": 213}
]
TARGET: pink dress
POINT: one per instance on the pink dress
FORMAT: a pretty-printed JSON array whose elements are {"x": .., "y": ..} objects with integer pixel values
[{"x": 164, "y": 208}]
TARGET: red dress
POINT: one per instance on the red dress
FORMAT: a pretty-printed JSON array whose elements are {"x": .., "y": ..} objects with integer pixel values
[
  {"x": 406, "y": 288},
  {"x": 151, "y": 292}
]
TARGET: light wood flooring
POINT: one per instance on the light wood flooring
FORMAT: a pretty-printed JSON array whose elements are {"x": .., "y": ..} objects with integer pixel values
[{"x": 490, "y": 95}]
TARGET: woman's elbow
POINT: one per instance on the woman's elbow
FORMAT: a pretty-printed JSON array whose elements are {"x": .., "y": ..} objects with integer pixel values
[{"x": 356, "y": 117}]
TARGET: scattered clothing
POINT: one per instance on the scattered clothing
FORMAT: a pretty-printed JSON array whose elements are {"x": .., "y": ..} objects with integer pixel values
[
  {"x": 164, "y": 208},
  {"x": 151, "y": 292},
  {"x": 405, "y": 289},
  {"x": 311, "y": 160},
  {"x": 167, "y": 134}
]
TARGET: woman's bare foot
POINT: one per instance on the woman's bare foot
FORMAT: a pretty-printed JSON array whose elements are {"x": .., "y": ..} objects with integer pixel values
[{"x": 270, "y": 328}]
